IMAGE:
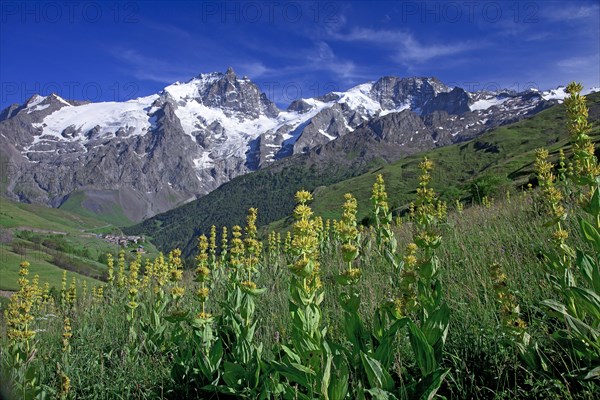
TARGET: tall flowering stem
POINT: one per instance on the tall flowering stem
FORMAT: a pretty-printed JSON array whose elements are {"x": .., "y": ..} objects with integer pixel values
[
  {"x": 585, "y": 164},
  {"x": 19, "y": 314},
  {"x": 382, "y": 216},
  {"x": 427, "y": 239},
  {"x": 419, "y": 300},
  {"x": 307, "y": 337},
  {"x": 238, "y": 322},
  {"x": 202, "y": 275},
  {"x": 578, "y": 305},
  {"x": 350, "y": 237},
  {"x": 19, "y": 317}
]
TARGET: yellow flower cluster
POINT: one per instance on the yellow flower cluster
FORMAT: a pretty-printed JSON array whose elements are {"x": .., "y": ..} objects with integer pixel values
[
  {"x": 252, "y": 246},
  {"x": 585, "y": 166},
  {"x": 305, "y": 244},
  {"x": 134, "y": 283},
  {"x": 509, "y": 307},
  {"x": 348, "y": 233},
  {"x": 379, "y": 195},
  {"x": 121, "y": 270},
  {"x": 176, "y": 273},
  {"x": 65, "y": 385},
  {"x": 212, "y": 246},
  {"x": 406, "y": 302},
  {"x": 66, "y": 335},
  {"x": 72, "y": 292},
  {"x": 552, "y": 195},
  {"x": 19, "y": 313},
  {"x": 202, "y": 271},
  {"x": 236, "y": 252},
  {"x": 111, "y": 266},
  {"x": 224, "y": 245}
]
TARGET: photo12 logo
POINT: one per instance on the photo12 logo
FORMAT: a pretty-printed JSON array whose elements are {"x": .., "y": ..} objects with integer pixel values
[
  {"x": 270, "y": 12},
  {"x": 288, "y": 92},
  {"x": 469, "y": 11},
  {"x": 71, "y": 12},
  {"x": 19, "y": 92}
]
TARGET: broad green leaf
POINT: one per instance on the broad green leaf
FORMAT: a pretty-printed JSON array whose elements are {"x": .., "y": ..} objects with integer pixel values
[
  {"x": 593, "y": 208},
  {"x": 590, "y": 233},
  {"x": 377, "y": 376},
  {"x": 588, "y": 300},
  {"x": 290, "y": 353},
  {"x": 385, "y": 350},
  {"x": 379, "y": 394},
  {"x": 295, "y": 372},
  {"x": 326, "y": 376},
  {"x": 586, "y": 265},
  {"x": 233, "y": 374},
  {"x": 340, "y": 375},
  {"x": 435, "y": 327},
  {"x": 422, "y": 349},
  {"x": 593, "y": 374},
  {"x": 430, "y": 384}
]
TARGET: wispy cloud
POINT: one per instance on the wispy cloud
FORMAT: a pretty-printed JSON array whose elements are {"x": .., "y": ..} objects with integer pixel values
[
  {"x": 148, "y": 68},
  {"x": 327, "y": 60},
  {"x": 254, "y": 69},
  {"x": 580, "y": 68},
  {"x": 410, "y": 48},
  {"x": 169, "y": 29},
  {"x": 571, "y": 12},
  {"x": 577, "y": 64}
]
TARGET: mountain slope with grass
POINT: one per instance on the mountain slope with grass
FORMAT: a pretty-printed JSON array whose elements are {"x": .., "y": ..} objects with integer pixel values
[
  {"x": 54, "y": 240},
  {"x": 490, "y": 165},
  {"x": 496, "y": 161}
]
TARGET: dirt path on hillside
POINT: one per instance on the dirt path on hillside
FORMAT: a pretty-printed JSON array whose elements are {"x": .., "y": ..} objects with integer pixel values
[
  {"x": 29, "y": 228},
  {"x": 6, "y": 293}
]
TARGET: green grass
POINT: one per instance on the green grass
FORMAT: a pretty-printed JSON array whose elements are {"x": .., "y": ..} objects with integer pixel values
[
  {"x": 482, "y": 366},
  {"x": 46, "y": 235},
  {"x": 40, "y": 265},
  {"x": 15, "y": 214},
  {"x": 112, "y": 212}
]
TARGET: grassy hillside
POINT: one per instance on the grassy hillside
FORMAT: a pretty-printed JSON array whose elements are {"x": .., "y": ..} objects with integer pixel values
[
  {"x": 53, "y": 240},
  {"x": 495, "y": 161},
  {"x": 109, "y": 212},
  {"x": 15, "y": 214},
  {"x": 483, "y": 364}
]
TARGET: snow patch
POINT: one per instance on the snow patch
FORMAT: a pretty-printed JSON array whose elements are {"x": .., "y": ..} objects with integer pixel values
[
  {"x": 395, "y": 110},
  {"x": 328, "y": 136},
  {"x": 39, "y": 107},
  {"x": 484, "y": 104},
  {"x": 555, "y": 94},
  {"x": 109, "y": 116},
  {"x": 35, "y": 100},
  {"x": 204, "y": 161}
]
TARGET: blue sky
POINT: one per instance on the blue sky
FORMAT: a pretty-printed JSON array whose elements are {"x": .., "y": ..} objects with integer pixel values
[{"x": 106, "y": 51}]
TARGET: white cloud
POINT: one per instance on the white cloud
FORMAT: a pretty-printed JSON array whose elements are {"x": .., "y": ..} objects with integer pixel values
[
  {"x": 574, "y": 64},
  {"x": 583, "y": 69},
  {"x": 571, "y": 12},
  {"x": 254, "y": 69},
  {"x": 408, "y": 49},
  {"x": 147, "y": 68}
]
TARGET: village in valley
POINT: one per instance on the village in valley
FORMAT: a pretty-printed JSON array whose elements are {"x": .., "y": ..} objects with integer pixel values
[{"x": 126, "y": 241}]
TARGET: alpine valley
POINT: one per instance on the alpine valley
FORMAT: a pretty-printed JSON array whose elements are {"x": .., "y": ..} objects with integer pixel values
[{"x": 132, "y": 160}]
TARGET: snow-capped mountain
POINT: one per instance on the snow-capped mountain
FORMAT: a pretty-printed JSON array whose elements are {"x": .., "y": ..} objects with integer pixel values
[{"x": 150, "y": 154}]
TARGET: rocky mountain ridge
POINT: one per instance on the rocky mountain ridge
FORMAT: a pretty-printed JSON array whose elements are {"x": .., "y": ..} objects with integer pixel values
[{"x": 150, "y": 154}]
